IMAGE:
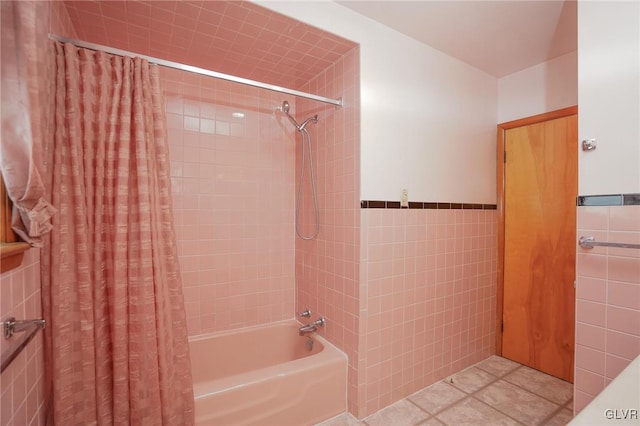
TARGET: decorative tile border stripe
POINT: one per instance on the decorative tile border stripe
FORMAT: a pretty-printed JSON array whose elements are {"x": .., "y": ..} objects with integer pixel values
[
  {"x": 609, "y": 200},
  {"x": 373, "y": 204}
]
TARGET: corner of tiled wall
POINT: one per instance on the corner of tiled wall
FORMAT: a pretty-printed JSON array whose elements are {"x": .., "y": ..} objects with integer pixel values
[{"x": 327, "y": 268}]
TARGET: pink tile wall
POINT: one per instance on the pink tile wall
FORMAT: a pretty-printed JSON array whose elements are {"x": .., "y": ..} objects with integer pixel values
[
  {"x": 60, "y": 22},
  {"x": 22, "y": 383},
  {"x": 327, "y": 271},
  {"x": 233, "y": 189},
  {"x": 608, "y": 299},
  {"x": 428, "y": 290},
  {"x": 234, "y": 37}
]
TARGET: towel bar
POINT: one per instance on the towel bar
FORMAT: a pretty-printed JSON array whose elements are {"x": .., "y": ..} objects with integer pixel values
[
  {"x": 12, "y": 326},
  {"x": 589, "y": 242}
]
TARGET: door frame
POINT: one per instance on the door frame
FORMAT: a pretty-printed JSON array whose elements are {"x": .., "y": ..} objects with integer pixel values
[{"x": 500, "y": 160}]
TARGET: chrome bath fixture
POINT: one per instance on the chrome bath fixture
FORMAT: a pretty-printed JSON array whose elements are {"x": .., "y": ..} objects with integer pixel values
[
  {"x": 299, "y": 127},
  {"x": 196, "y": 70},
  {"x": 305, "y": 314},
  {"x": 589, "y": 242},
  {"x": 12, "y": 326},
  {"x": 311, "y": 327},
  {"x": 305, "y": 138}
]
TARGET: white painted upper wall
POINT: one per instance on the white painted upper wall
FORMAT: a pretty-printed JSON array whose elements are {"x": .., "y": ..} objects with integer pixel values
[
  {"x": 609, "y": 96},
  {"x": 542, "y": 88},
  {"x": 428, "y": 121}
]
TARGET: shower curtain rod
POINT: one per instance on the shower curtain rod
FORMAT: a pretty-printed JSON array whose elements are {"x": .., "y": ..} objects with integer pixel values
[{"x": 196, "y": 70}]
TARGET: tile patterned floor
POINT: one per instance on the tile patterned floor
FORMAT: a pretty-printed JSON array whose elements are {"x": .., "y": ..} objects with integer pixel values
[{"x": 494, "y": 392}]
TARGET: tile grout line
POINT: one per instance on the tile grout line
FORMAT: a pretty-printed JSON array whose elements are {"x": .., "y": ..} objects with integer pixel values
[
  {"x": 429, "y": 415},
  {"x": 536, "y": 394},
  {"x": 498, "y": 378},
  {"x": 499, "y": 411},
  {"x": 468, "y": 395},
  {"x": 473, "y": 395},
  {"x": 557, "y": 410},
  {"x": 554, "y": 413}
]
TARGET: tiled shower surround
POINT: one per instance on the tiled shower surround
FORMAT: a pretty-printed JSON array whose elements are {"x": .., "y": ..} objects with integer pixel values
[
  {"x": 608, "y": 299},
  {"x": 232, "y": 167},
  {"x": 327, "y": 273},
  {"x": 408, "y": 295}
]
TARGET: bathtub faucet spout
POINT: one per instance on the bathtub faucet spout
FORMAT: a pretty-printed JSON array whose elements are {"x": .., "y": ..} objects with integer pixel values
[{"x": 311, "y": 327}]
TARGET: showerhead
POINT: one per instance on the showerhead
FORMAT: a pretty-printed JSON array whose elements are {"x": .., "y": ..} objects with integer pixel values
[
  {"x": 299, "y": 127},
  {"x": 305, "y": 122}
]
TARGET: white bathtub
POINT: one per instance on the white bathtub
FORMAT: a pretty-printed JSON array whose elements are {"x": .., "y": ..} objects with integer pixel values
[{"x": 266, "y": 376}]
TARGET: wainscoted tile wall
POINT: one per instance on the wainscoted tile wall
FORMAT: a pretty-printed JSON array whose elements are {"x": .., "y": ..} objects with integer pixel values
[
  {"x": 327, "y": 272},
  {"x": 428, "y": 298},
  {"x": 22, "y": 383},
  {"x": 22, "y": 398},
  {"x": 232, "y": 166},
  {"x": 608, "y": 299}
]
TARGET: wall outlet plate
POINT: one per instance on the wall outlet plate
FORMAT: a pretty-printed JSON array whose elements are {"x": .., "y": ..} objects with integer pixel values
[{"x": 404, "y": 201}]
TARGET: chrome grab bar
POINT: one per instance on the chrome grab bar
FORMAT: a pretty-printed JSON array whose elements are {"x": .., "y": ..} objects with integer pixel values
[
  {"x": 589, "y": 242},
  {"x": 12, "y": 326}
]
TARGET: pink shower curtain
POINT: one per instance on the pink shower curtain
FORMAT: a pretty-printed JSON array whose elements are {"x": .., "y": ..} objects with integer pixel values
[
  {"x": 24, "y": 109},
  {"x": 116, "y": 339}
]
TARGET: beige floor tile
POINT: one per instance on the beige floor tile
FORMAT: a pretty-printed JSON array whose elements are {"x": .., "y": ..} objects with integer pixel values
[
  {"x": 472, "y": 412},
  {"x": 437, "y": 396},
  {"x": 497, "y": 365},
  {"x": 561, "y": 418},
  {"x": 541, "y": 384},
  {"x": 345, "y": 419},
  {"x": 517, "y": 402},
  {"x": 399, "y": 414},
  {"x": 471, "y": 379}
]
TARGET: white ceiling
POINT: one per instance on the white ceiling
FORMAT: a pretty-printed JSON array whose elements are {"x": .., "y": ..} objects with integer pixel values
[{"x": 499, "y": 37}]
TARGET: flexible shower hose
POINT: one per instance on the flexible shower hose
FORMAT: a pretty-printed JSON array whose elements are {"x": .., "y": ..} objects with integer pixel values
[{"x": 313, "y": 188}]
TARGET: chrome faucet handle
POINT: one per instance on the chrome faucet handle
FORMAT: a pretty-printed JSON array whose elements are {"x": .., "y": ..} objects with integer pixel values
[
  {"x": 306, "y": 313},
  {"x": 319, "y": 322}
]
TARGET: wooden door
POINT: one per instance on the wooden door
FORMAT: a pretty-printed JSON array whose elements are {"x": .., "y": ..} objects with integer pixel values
[{"x": 540, "y": 189}]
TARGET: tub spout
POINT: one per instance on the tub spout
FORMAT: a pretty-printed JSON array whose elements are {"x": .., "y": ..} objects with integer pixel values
[{"x": 311, "y": 327}]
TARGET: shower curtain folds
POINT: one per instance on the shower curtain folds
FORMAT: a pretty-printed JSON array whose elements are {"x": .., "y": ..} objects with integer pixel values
[
  {"x": 24, "y": 124},
  {"x": 116, "y": 345}
]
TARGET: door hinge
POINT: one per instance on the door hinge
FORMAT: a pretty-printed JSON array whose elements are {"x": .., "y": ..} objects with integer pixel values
[
  {"x": 505, "y": 156},
  {"x": 502, "y": 326}
]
